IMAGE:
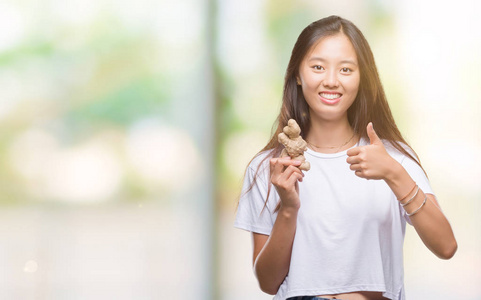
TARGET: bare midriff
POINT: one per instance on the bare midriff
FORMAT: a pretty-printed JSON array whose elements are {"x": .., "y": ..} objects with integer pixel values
[{"x": 356, "y": 296}]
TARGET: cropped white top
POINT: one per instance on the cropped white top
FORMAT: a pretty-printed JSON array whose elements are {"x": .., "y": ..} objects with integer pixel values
[{"x": 350, "y": 231}]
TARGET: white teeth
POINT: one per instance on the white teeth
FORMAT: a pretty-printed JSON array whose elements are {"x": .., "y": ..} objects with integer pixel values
[{"x": 330, "y": 96}]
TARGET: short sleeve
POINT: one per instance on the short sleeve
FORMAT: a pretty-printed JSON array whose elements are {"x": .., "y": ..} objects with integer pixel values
[
  {"x": 253, "y": 214},
  {"x": 418, "y": 175}
]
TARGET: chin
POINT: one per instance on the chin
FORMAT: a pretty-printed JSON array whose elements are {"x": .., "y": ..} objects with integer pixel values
[{"x": 330, "y": 116}]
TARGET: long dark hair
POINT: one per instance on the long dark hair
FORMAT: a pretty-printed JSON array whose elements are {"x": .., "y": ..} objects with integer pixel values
[{"x": 370, "y": 104}]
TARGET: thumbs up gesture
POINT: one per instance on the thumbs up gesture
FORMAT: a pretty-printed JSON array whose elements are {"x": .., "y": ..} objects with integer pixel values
[{"x": 371, "y": 161}]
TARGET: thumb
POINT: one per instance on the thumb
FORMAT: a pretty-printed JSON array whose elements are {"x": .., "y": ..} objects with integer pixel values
[{"x": 373, "y": 138}]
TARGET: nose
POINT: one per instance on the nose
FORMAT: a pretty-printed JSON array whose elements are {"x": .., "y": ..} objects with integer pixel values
[{"x": 330, "y": 79}]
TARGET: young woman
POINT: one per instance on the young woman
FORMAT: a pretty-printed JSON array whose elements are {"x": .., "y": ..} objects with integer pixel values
[{"x": 337, "y": 230}]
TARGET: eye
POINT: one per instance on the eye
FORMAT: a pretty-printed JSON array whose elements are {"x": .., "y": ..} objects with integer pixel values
[
  {"x": 346, "y": 70},
  {"x": 317, "y": 67}
]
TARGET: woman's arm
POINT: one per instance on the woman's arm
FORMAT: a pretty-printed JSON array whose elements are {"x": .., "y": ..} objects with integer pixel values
[
  {"x": 429, "y": 221},
  {"x": 373, "y": 162},
  {"x": 272, "y": 254}
]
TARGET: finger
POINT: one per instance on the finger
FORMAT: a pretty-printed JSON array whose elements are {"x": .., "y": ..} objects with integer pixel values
[
  {"x": 295, "y": 177},
  {"x": 354, "y": 151},
  {"x": 355, "y": 167},
  {"x": 359, "y": 174},
  {"x": 278, "y": 165},
  {"x": 272, "y": 163},
  {"x": 287, "y": 179},
  {"x": 353, "y": 160},
  {"x": 373, "y": 138},
  {"x": 289, "y": 171},
  {"x": 286, "y": 162}
]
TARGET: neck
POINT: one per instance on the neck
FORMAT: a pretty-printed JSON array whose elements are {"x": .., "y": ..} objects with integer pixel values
[{"x": 331, "y": 136}]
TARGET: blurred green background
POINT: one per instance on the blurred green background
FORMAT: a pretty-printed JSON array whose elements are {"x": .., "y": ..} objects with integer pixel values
[{"x": 125, "y": 128}]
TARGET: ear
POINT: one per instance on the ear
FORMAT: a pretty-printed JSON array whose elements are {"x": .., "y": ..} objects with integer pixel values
[{"x": 298, "y": 80}]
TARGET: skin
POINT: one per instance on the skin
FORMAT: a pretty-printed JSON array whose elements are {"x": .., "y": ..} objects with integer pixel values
[{"x": 331, "y": 66}]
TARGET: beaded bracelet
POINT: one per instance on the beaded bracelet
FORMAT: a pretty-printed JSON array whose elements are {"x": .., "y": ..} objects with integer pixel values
[
  {"x": 424, "y": 202},
  {"x": 404, "y": 204}
]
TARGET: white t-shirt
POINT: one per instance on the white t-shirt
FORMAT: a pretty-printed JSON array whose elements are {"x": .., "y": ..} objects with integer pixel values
[{"x": 350, "y": 231}]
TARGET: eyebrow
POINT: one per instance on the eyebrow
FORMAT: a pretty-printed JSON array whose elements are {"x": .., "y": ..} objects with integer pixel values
[{"x": 345, "y": 61}]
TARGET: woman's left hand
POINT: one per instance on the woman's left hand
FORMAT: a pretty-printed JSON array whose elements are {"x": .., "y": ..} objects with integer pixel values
[{"x": 371, "y": 161}]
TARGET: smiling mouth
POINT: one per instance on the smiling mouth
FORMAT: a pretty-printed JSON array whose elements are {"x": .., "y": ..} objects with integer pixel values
[{"x": 330, "y": 96}]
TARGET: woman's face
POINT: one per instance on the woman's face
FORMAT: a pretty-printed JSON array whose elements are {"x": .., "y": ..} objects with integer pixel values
[{"x": 329, "y": 75}]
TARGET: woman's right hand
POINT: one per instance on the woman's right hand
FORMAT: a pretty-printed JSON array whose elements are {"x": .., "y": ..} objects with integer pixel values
[{"x": 285, "y": 175}]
